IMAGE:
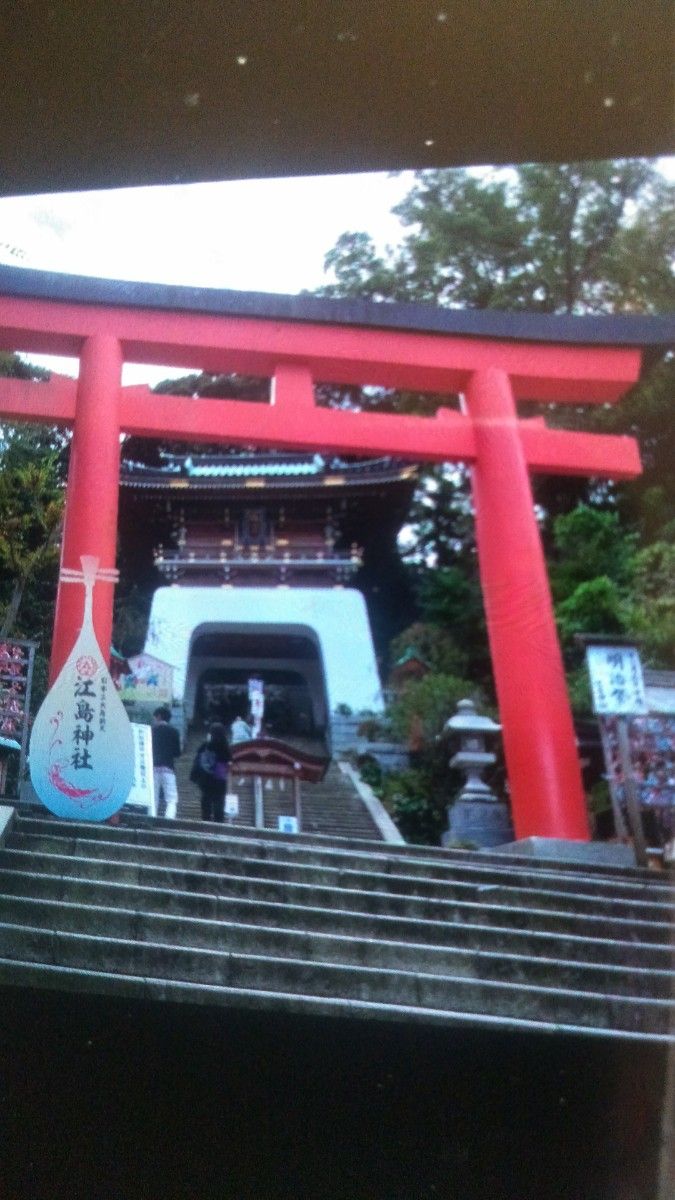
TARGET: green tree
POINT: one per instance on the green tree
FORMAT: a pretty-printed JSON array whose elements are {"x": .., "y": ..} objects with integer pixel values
[
  {"x": 434, "y": 644},
  {"x": 590, "y": 542},
  {"x": 646, "y": 413},
  {"x": 651, "y": 618},
  {"x": 429, "y": 701},
  {"x": 32, "y": 474},
  {"x": 31, "y": 508},
  {"x": 574, "y": 237}
]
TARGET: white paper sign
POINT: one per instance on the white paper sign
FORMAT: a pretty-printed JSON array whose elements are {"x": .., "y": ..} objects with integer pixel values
[
  {"x": 256, "y": 699},
  {"x": 616, "y": 678},
  {"x": 143, "y": 788},
  {"x": 287, "y": 824},
  {"x": 231, "y": 805}
]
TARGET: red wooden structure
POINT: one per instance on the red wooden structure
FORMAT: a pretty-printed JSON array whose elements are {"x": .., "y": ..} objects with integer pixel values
[
  {"x": 270, "y": 758},
  {"x": 494, "y": 360}
]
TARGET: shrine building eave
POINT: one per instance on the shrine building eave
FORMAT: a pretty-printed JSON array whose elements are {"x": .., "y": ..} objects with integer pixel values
[{"x": 238, "y": 475}]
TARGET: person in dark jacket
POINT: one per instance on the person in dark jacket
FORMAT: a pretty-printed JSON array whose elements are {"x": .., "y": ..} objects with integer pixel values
[
  {"x": 165, "y": 750},
  {"x": 209, "y": 772}
]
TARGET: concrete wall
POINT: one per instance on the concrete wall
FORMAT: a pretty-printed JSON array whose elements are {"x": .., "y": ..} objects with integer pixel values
[{"x": 335, "y": 618}]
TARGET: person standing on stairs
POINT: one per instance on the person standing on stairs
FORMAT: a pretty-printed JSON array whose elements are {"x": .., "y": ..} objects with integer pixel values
[
  {"x": 241, "y": 730},
  {"x": 209, "y": 772},
  {"x": 165, "y": 750}
]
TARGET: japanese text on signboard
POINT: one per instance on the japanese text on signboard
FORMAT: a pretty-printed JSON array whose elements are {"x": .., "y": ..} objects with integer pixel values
[{"x": 616, "y": 680}]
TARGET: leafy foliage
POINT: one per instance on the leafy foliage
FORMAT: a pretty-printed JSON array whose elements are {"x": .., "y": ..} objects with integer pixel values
[
  {"x": 31, "y": 508},
  {"x": 33, "y": 462},
  {"x": 652, "y": 615},
  {"x": 427, "y": 703},
  {"x": 416, "y": 800},
  {"x": 590, "y": 542},
  {"x": 571, "y": 237},
  {"x": 433, "y": 643},
  {"x": 593, "y": 607}
]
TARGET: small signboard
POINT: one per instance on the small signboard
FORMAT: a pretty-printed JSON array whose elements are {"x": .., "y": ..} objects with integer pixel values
[
  {"x": 618, "y": 690},
  {"x": 616, "y": 678},
  {"x": 232, "y": 805},
  {"x": 287, "y": 824},
  {"x": 256, "y": 700},
  {"x": 142, "y": 794},
  {"x": 150, "y": 680}
]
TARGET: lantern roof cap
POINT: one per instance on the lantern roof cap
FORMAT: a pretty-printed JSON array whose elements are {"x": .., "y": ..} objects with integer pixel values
[{"x": 467, "y": 720}]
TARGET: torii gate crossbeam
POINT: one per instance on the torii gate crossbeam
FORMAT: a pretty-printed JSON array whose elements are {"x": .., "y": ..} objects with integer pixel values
[{"x": 491, "y": 372}]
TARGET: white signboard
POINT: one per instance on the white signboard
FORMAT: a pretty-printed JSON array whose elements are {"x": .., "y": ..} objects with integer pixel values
[
  {"x": 256, "y": 699},
  {"x": 232, "y": 805},
  {"x": 287, "y": 824},
  {"x": 616, "y": 681},
  {"x": 142, "y": 791},
  {"x": 81, "y": 747}
]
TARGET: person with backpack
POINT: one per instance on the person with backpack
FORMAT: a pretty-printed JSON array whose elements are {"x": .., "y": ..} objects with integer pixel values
[{"x": 209, "y": 772}]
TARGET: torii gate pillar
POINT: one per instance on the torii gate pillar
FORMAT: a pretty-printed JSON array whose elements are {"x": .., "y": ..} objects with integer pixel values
[
  {"x": 93, "y": 490},
  {"x": 539, "y": 740}
]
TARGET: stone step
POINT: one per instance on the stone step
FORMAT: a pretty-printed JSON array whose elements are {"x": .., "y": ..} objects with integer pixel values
[
  {"x": 73, "y": 838},
  {"x": 360, "y": 876},
  {"x": 434, "y": 863},
  {"x": 330, "y": 807},
  {"x": 131, "y": 924},
  {"x": 87, "y": 891},
  {"x": 440, "y": 994},
  {"x": 340, "y": 895},
  {"x": 252, "y": 918}
]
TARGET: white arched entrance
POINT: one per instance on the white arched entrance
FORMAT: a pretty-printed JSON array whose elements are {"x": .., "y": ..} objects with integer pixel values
[{"x": 321, "y": 635}]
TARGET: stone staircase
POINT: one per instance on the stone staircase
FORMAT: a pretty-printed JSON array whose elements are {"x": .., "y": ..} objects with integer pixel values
[
  {"x": 332, "y": 808},
  {"x": 250, "y": 919}
]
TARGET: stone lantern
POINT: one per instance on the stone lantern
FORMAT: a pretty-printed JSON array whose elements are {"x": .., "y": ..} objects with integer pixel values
[{"x": 477, "y": 816}]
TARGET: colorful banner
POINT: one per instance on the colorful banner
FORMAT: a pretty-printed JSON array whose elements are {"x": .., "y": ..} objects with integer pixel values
[
  {"x": 16, "y": 675},
  {"x": 150, "y": 681},
  {"x": 652, "y": 756}
]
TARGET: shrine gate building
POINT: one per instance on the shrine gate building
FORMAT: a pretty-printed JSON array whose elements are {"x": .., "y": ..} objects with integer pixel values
[{"x": 259, "y": 553}]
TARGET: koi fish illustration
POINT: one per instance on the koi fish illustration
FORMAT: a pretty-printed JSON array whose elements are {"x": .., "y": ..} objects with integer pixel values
[{"x": 74, "y": 793}]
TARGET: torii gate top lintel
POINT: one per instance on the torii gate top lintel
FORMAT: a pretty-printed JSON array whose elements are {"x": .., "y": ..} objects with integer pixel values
[{"x": 565, "y": 359}]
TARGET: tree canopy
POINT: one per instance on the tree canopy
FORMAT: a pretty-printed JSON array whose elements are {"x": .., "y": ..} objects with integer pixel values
[
  {"x": 32, "y": 477},
  {"x": 552, "y": 238}
]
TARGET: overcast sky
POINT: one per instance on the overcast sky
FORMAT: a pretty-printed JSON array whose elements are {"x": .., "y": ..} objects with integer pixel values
[{"x": 253, "y": 235}]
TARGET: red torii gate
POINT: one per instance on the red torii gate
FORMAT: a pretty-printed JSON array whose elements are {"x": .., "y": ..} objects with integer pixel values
[{"x": 297, "y": 342}]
